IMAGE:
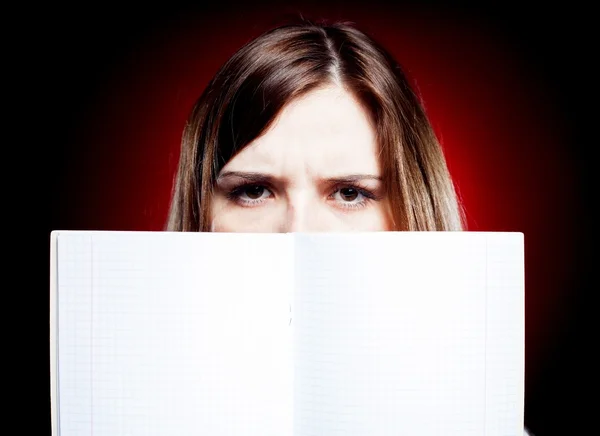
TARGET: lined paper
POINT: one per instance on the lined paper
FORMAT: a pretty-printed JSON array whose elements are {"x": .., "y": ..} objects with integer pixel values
[
  {"x": 505, "y": 335},
  {"x": 171, "y": 334},
  {"x": 387, "y": 333},
  {"x": 398, "y": 334}
]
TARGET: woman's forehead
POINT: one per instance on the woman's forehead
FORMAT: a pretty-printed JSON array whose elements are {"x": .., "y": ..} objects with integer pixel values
[{"x": 325, "y": 127}]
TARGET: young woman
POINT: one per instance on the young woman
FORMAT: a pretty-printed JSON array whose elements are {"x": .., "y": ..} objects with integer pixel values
[{"x": 314, "y": 128}]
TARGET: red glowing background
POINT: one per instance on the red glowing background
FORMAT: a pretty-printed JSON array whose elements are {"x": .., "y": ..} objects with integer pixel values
[{"x": 497, "y": 108}]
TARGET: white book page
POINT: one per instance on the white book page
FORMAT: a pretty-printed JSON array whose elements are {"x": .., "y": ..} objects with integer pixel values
[
  {"x": 173, "y": 334},
  {"x": 505, "y": 335},
  {"x": 408, "y": 334}
]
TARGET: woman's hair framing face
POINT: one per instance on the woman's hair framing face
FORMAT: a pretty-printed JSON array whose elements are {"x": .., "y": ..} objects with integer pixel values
[{"x": 311, "y": 127}]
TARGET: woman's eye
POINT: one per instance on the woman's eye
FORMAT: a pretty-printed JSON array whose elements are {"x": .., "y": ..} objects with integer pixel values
[
  {"x": 352, "y": 197},
  {"x": 255, "y": 192},
  {"x": 349, "y": 194},
  {"x": 250, "y": 195}
]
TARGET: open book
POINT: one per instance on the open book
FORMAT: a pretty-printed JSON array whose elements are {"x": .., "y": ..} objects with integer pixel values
[{"x": 388, "y": 333}]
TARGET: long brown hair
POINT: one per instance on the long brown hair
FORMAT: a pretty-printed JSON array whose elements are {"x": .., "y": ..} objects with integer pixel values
[{"x": 251, "y": 88}]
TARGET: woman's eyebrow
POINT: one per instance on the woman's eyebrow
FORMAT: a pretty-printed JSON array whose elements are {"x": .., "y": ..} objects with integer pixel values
[
  {"x": 251, "y": 177},
  {"x": 352, "y": 178},
  {"x": 254, "y": 177}
]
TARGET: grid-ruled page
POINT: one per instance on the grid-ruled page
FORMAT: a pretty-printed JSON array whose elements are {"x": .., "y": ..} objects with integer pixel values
[
  {"x": 173, "y": 334},
  {"x": 391, "y": 334},
  {"x": 505, "y": 335}
]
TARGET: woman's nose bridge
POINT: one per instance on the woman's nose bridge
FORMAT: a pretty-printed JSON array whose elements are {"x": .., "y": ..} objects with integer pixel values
[
  {"x": 295, "y": 216},
  {"x": 302, "y": 211}
]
